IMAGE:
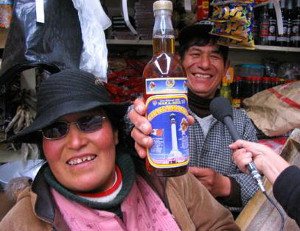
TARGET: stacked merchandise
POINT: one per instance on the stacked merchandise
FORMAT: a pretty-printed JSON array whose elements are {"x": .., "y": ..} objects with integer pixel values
[
  {"x": 233, "y": 22},
  {"x": 186, "y": 15},
  {"x": 5, "y": 13},
  {"x": 125, "y": 82},
  {"x": 144, "y": 19},
  {"x": 120, "y": 29},
  {"x": 249, "y": 79},
  {"x": 266, "y": 22}
]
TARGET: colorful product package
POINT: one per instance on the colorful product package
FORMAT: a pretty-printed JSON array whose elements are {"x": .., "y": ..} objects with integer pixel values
[
  {"x": 232, "y": 30},
  {"x": 202, "y": 10},
  {"x": 246, "y": 43},
  {"x": 233, "y": 22},
  {"x": 225, "y": 2},
  {"x": 5, "y": 14},
  {"x": 234, "y": 12}
]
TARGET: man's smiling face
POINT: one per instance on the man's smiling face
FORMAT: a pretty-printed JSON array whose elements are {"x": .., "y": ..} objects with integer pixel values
[{"x": 205, "y": 68}]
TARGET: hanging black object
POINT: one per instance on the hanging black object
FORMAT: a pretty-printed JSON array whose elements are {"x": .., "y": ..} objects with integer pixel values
[{"x": 53, "y": 45}]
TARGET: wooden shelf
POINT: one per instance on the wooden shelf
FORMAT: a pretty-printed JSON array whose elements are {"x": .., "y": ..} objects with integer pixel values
[
  {"x": 277, "y": 48},
  {"x": 271, "y": 48},
  {"x": 129, "y": 42},
  {"x": 138, "y": 42}
]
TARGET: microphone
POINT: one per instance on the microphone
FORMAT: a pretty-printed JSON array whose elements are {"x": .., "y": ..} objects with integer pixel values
[{"x": 222, "y": 111}]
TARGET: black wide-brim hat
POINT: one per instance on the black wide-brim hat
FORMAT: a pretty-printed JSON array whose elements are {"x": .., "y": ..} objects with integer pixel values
[{"x": 67, "y": 92}]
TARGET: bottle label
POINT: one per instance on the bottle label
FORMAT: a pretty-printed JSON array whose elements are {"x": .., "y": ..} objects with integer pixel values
[
  {"x": 283, "y": 37},
  {"x": 167, "y": 113},
  {"x": 264, "y": 29},
  {"x": 166, "y": 86},
  {"x": 296, "y": 38},
  {"x": 272, "y": 30},
  {"x": 296, "y": 30}
]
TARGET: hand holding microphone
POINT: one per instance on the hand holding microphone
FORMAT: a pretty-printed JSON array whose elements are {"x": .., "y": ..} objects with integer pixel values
[{"x": 222, "y": 111}]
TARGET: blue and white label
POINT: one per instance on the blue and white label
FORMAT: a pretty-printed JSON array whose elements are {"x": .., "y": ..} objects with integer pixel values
[{"x": 167, "y": 114}]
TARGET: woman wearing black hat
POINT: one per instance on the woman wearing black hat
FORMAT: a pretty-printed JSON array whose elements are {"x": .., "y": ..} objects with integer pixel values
[{"x": 89, "y": 181}]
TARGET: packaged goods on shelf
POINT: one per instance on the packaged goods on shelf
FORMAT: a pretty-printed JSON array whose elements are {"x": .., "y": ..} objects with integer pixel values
[
  {"x": 233, "y": 21},
  {"x": 5, "y": 13},
  {"x": 144, "y": 19},
  {"x": 125, "y": 78}
]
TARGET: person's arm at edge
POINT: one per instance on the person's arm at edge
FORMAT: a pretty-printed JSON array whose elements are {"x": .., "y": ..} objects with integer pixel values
[
  {"x": 287, "y": 191},
  {"x": 266, "y": 160}
]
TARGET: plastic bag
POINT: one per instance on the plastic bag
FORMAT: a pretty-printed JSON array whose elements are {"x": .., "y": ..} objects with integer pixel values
[
  {"x": 53, "y": 45},
  {"x": 93, "y": 21},
  {"x": 275, "y": 111},
  {"x": 289, "y": 71}
]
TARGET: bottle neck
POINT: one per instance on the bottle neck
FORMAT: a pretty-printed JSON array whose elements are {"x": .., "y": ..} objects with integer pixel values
[{"x": 163, "y": 33}]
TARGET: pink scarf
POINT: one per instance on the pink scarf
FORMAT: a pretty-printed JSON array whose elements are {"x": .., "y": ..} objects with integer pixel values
[{"x": 142, "y": 210}]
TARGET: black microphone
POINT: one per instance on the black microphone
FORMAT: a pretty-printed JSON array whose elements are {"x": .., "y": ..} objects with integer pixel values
[{"x": 221, "y": 109}]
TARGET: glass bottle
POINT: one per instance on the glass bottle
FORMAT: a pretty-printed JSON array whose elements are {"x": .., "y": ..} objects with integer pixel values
[
  {"x": 236, "y": 92},
  {"x": 264, "y": 26},
  {"x": 282, "y": 38},
  {"x": 289, "y": 22},
  {"x": 296, "y": 26},
  {"x": 255, "y": 27},
  {"x": 225, "y": 90},
  {"x": 166, "y": 99},
  {"x": 272, "y": 25}
]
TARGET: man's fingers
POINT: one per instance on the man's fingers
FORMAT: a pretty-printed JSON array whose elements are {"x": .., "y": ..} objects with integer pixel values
[
  {"x": 199, "y": 172},
  {"x": 141, "y": 139},
  {"x": 140, "y": 150},
  {"x": 191, "y": 120},
  {"x": 140, "y": 106},
  {"x": 193, "y": 170},
  {"x": 140, "y": 122}
]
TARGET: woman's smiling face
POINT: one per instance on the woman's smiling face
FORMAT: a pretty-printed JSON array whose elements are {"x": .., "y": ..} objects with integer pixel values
[{"x": 83, "y": 161}]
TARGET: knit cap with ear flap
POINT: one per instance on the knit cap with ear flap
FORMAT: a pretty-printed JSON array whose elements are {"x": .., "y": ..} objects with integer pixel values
[{"x": 66, "y": 92}]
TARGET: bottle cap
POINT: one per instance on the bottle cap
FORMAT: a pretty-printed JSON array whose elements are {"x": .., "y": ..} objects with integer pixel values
[{"x": 162, "y": 5}]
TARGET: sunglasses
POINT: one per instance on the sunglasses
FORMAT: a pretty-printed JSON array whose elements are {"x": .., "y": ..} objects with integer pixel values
[{"x": 60, "y": 129}]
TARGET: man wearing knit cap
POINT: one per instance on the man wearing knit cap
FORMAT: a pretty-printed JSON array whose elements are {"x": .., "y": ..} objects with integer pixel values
[{"x": 205, "y": 64}]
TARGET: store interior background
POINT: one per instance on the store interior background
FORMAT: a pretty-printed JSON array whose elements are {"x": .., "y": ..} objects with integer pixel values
[{"x": 128, "y": 53}]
